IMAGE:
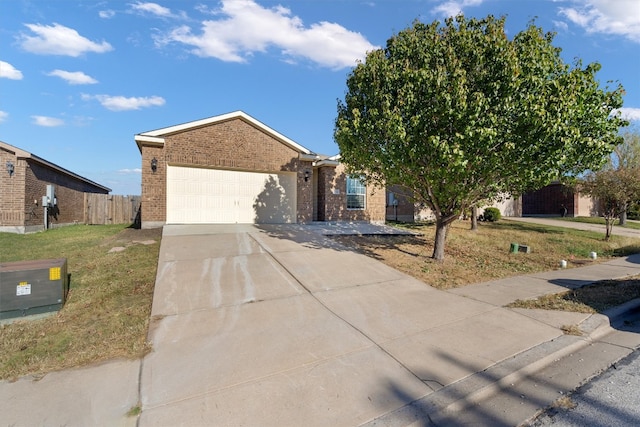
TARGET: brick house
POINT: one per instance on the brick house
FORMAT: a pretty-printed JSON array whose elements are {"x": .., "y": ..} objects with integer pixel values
[
  {"x": 234, "y": 169},
  {"x": 556, "y": 199},
  {"x": 552, "y": 200},
  {"x": 401, "y": 207},
  {"x": 25, "y": 179}
]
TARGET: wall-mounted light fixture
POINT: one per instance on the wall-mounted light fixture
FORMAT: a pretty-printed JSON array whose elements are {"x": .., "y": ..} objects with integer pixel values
[
  {"x": 10, "y": 168},
  {"x": 154, "y": 165},
  {"x": 306, "y": 175}
]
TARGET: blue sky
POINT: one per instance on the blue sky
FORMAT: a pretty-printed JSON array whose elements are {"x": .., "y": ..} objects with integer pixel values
[{"x": 78, "y": 79}]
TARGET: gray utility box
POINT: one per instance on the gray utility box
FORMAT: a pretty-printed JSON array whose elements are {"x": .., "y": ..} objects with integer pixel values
[{"x": 32, "y": 287}]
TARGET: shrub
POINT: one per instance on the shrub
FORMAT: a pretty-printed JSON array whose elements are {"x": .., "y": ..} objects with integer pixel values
[
  {"x": 634, "y": 212},
  {"x": 492, "y": 214}
]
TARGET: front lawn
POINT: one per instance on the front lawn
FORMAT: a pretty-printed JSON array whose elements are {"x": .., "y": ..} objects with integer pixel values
[
  {"x": 483, "y": 255},
  {"x": 108, "y": 305}
]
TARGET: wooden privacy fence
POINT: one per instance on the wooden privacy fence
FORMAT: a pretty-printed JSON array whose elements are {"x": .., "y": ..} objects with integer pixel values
[{"x": 109, "y": 209}]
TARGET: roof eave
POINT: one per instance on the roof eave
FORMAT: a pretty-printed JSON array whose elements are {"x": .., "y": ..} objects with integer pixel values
[
  {"x": 153, "y": 141},
  {"x": 225, "y": 117},
  {"x": 21, "y": 154}
]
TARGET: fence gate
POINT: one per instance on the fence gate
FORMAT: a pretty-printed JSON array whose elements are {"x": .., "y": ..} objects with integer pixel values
[{"x": 103, "y": 209}]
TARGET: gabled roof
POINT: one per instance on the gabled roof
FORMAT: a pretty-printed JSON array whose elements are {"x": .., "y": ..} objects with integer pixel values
[
  {"x": 21, "y": 154},
  {"x": 156, "y": 137}
]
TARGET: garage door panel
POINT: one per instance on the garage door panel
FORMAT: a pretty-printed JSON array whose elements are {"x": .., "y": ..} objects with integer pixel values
[{"x": 197, "y": 195}]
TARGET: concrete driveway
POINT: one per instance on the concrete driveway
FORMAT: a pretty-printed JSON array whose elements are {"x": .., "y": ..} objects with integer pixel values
[{"x": 281, "y": 326}]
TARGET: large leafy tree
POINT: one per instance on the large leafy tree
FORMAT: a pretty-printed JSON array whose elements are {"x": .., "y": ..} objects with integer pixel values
[{"x": 459, "y": 113}]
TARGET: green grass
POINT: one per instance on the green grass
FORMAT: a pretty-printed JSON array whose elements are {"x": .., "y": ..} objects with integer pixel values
[{"x": 108, "y": 305}]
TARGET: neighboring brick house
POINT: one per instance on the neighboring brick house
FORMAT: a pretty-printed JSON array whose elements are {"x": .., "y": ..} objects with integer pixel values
[
  {"x": 557, "y": 200},
  {"x": 234, "y": 169},
  {"x": 25, "y": 178},
  {"x": 554, "y": 199},
  {"x": 401, "y": 207}
]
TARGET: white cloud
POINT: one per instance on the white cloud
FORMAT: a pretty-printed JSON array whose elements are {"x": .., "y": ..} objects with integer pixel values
[
  {"x": 631, "y": 114},
  {"x": 8, "y": 71},
  {"x": 154, "y": 9},
  {"x": 130, "y": 171},
  {"x": 59, "y": 40},
  {"x": 107, "y": 14},
  {"x": 454, "y": 7},
  {"x": 47, "y": 121},
  {"x": 3, "y": 116},
  {"x": 121, "y": 103},
  {"x": 619, "y": 17},
  {"x": 74, "y": 78},
  {"x": 244, "y": 28},
  {"x": 561, "y": 26}
]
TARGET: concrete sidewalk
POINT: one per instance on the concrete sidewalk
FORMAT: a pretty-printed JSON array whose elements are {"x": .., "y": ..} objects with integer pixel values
[
  {"x": 557, "y": 222},
  {"x": 280, "y": 325}
]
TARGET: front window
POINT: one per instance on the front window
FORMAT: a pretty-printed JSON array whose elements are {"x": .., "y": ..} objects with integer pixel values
[{"x": 356, "y": 193}]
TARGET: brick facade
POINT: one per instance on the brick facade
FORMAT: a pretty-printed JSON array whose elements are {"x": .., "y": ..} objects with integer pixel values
[
  {"x": 21, "y": 194},
  {"x": 12, "y": 197},
  {"x": 237, "y": 142},
  {"x": 153, "y": 203},
  {"x": 332, "y": 198},
  {"x": 234, "y": 144}
]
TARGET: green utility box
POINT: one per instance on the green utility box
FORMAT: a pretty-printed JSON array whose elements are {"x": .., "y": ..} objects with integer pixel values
[{"x": 32, "y": 287}]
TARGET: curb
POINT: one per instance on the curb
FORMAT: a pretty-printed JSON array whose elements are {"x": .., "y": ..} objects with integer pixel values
[{"x": 470, "y": 391}]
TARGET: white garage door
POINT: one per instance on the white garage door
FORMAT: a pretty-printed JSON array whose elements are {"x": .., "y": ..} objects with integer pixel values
[{"x": 213, "y": 196}]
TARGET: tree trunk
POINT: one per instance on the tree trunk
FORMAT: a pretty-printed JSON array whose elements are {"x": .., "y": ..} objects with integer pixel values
[
  {"x": 474, "y": 218},
  {"x": 623, "y": 217},
  {"x": 608, "y": 226},
  {"x": 441, "y": 236}
]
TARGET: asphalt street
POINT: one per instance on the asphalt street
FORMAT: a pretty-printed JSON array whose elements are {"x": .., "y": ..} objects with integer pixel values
[{"x": 610, "y": 399}]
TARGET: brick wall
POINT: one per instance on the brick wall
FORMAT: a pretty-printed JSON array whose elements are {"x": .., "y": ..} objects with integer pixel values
[
  {"x": 233, "y": 144},
  {"x": 237, "y": 145},
  {"x": 12, "y": 211},
  {"x": 69, "y": 193},
  {"x": 324, "y": 179},
  {"x": 154, "y": 200},
  {"x": 332, "y": 198}
]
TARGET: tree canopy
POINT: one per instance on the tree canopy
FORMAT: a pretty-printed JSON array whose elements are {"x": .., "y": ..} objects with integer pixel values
[
  {"x": 616, "y": 187},
  {"x": 614, "y": 190},
  {"x": 459, "y": 113}
]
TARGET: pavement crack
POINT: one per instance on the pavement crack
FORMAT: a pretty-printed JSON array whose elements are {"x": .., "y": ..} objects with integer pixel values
[{"x": 356, "y": 328}]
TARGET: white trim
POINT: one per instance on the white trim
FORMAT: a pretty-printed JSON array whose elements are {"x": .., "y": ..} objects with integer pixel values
[
  {"x": 224, "y": 117},
  {"x": 364, "y": 194},
  {"x": 326, "y": 162},
  {"x": 310, "y": 157},
  {"x": 149, "y": 141},
  {"x": 152, "y": 139}
]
